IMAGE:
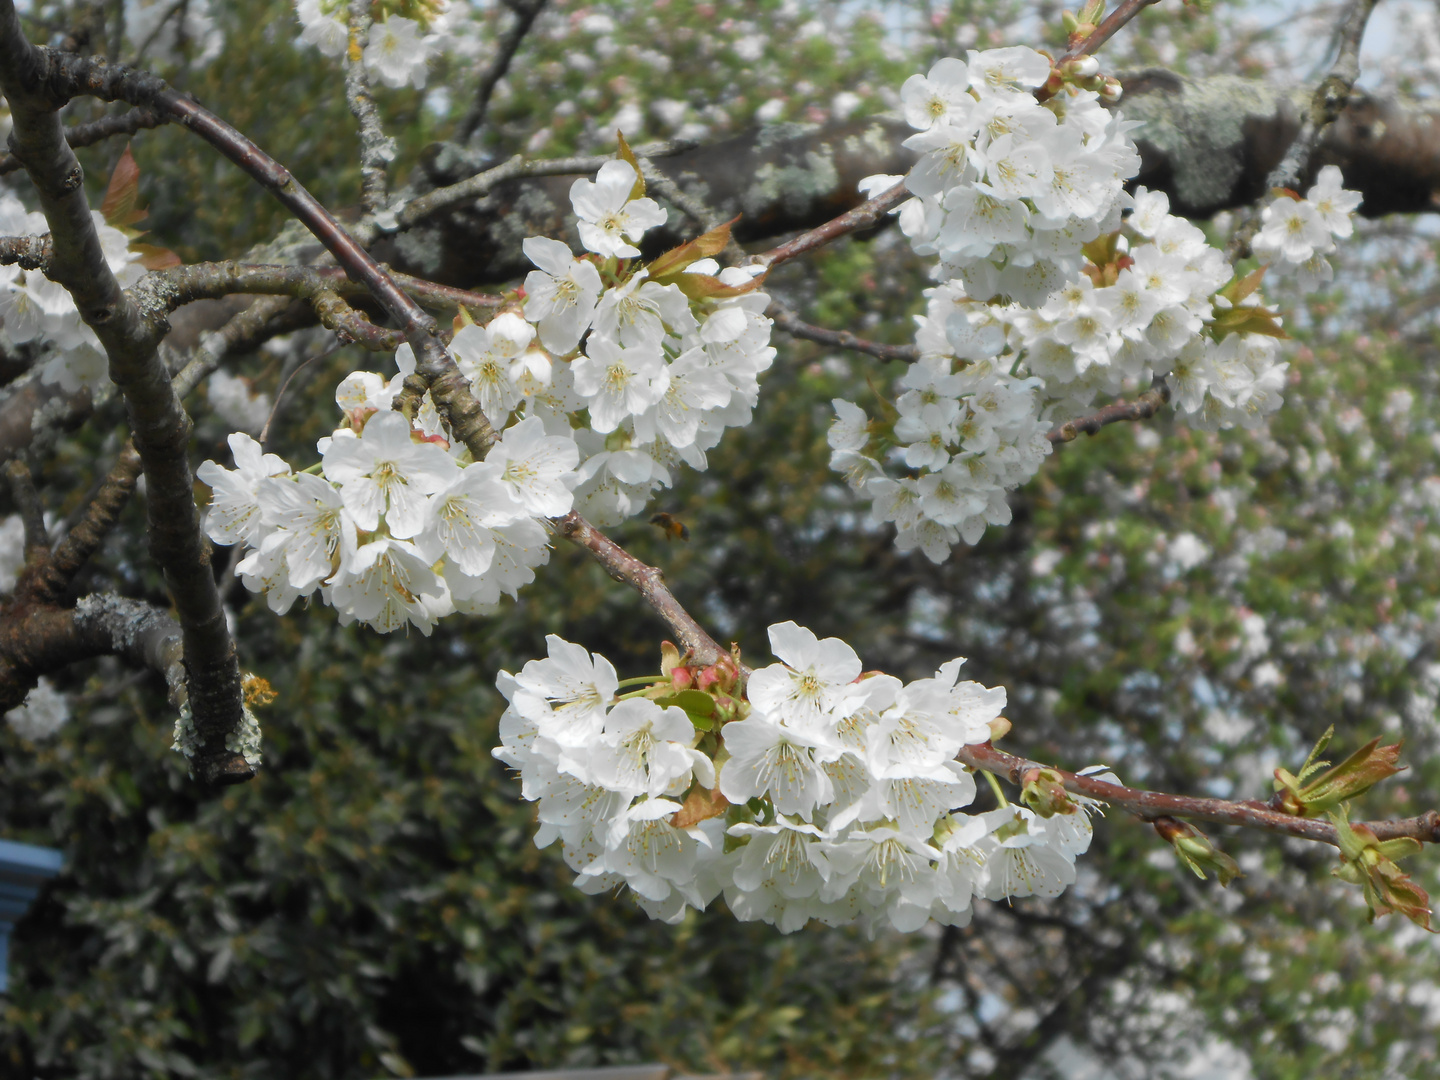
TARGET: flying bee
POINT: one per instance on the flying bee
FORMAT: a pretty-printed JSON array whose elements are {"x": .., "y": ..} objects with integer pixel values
[{"x": 673, "y": 528}]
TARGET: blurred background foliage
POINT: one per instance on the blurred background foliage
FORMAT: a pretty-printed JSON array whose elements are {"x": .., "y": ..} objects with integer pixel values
[{"x": 1191, "y": 609}]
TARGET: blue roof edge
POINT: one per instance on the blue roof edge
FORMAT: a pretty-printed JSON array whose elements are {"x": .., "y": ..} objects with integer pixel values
[{"x": 28, "y": 858}]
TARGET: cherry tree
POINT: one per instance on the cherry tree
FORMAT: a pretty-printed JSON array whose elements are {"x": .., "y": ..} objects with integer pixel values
[{"x": 1069, "y": 293}]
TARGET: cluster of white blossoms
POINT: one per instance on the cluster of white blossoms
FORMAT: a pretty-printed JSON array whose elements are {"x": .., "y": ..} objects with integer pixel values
[
  {"x": 824, "y": 793},
  {"x": 1050, "y": 295},
  {"x": 599, "y": 378},
  {"x": 1296, "y": 234},
  {"x": 399, "y": 50},
  {"x": 34, "y": 308}
]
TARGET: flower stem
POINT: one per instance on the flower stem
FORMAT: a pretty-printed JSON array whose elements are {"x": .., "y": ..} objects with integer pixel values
[
  {"x": 995, "y": 786},
  {"x": 638, "y": 679}
]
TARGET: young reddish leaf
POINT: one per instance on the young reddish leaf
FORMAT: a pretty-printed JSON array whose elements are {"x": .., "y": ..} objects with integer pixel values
[
  {"x": 155, "y": 258},
  {"x": 121, "y": 206},
  {"x": 702, "y": 247},
  {"x": 626, "y": 154},
  {"x": 698, "y": 806},
  {"x": 705, "y": 287}
]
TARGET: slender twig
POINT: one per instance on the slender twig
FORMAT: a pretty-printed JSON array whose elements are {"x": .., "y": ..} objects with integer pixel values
[
  {"x": 1328, "y": 101},
  {"x": 1143, "y": 407},
  {"x": 160, "y": 424},
  {"x": 647, "y": 580},
  {"x": 126, "y": 123},
  {"x": 32, "y": 510},
  {"x": 1148, "y": 805},
  {"x": 788, "y": 321},
  {"x": 28, "y": 252},
  {"x": 323, "y": 354},
  {"x": 1108, "y": 28},
  {"x": 525, "y": 13},
  {"x": 376, "y": 149},
  {"x": 477, "y": 186},
  {"x": 863, "y": 216},
  {"x": 81, "y": 542}
]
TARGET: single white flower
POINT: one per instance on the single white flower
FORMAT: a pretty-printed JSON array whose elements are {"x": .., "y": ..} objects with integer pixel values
[
  {"x": 609, "y": 218},
  {"x": 767, "y": 760},
  {"x": 385, "y": 471},
  {"x": 815, "y": 684},
  {"x": 234, "y": 506},
  {"x": 561, "y": 295},
  {"x": 539, "y": 469},
  {"x": 397, "y": 52},
  {"x": 618, "y": 383}
]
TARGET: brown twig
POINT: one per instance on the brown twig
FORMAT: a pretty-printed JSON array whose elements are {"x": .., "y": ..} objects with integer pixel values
[
  {"x": 1108, "y": 28},
  {"x": 647, "y": 580},
  {"x": 81, "y": 542},
  {"x": 127, "y": 123},
  {"x": 789, "y": 322},
  {"x": 66, "y": 75},
  {"x": 525, "y": 12},
  {"x": 1149, "y": 805},
  {"x": 1142, "y": 408},
  {"x": 863, "y": 216}
]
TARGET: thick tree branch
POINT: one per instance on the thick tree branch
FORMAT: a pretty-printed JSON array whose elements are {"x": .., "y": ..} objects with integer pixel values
[
  {"x": 1210, "y": 144},
  {"x": 47, "y": 639},
  {"x": 161, "y": 426},
  {"x": 173, "y": 288}
]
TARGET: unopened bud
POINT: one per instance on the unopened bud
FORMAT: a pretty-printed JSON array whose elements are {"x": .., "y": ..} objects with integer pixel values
[
  {"x": 1043, "y": 791},
  {"x": 1196, "y": 851},
  {"x": 999, "y": 728},
  {"x": 1082, "y": 67},
  {"x": 1111, "y": 91}
]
